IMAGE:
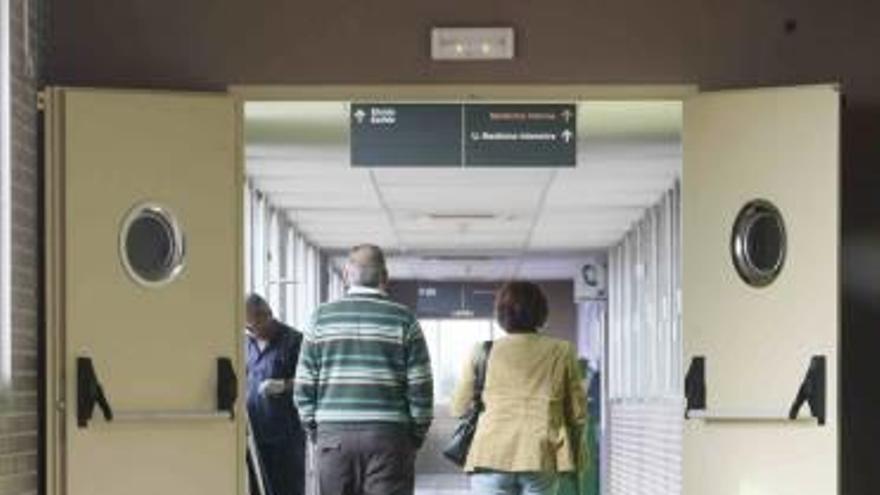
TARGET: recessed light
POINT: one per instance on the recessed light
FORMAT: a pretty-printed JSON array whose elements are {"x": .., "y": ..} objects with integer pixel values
[{"x": 461, "y": 216}]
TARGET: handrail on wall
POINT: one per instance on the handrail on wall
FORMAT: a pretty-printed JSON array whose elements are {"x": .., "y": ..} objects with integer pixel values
[{"x": 812, "y": 391}]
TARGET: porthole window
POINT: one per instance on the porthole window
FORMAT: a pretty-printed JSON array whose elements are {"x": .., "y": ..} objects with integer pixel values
[
  {"x": 151, "y": 246},
  {"x": 759, "y": 243}
]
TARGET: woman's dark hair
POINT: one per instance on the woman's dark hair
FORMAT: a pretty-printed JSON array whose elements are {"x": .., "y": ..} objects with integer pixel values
[{"x": 520, "y": 307}]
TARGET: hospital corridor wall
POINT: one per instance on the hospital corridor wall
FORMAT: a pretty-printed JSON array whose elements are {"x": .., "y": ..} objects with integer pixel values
[
  {"x": 645, "y": 411},
  {"x": 282, "y": 264}
]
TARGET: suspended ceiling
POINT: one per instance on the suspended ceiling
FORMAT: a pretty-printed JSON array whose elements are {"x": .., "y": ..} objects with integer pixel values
[{"x": 438, "y": 220}]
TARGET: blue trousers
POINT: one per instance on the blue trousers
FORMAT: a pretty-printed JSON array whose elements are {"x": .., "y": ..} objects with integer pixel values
[
  {"x": 284, "y": 465},
  {"x": 499, "y": 483}
]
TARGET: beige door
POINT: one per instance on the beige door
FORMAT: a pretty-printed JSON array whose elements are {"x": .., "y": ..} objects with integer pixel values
[
  {"x": 758, "y": 324},
  {"x": 144, "y": 293}
]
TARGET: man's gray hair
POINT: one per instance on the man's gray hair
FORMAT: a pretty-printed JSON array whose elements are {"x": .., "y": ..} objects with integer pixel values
[{"x": 366, "y": 266}]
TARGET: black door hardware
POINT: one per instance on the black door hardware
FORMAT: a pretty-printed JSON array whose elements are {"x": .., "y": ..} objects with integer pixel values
[
  {"x": 227, "y": 386},
  {"x": 695, "y": 385},
  {"x": 90, "y": 393},
  {"x": 812, "y": 391}
]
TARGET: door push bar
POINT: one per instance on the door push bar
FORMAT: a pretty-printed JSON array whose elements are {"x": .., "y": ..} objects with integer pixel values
[
  {"x": 811, "y": 391},
  {"x": 90, "y": 393}
]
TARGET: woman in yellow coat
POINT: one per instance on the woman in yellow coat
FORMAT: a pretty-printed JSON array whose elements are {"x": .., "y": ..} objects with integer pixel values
[{"x": 535, "y": 406}]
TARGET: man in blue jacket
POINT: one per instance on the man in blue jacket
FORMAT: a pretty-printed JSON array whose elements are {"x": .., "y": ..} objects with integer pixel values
[{"x": 272, "y": 355}]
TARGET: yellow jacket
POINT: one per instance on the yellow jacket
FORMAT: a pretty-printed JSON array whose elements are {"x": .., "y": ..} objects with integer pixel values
[{"x": 535, "y": 406}]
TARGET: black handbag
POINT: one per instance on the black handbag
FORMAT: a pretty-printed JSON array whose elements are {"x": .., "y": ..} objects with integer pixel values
[{"x": 460, "y": 444}]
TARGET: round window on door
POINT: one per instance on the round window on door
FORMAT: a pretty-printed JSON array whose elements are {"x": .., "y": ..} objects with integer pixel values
[
  {"x": 151, "y": 245},
  {"x": 759, "y": 243}
]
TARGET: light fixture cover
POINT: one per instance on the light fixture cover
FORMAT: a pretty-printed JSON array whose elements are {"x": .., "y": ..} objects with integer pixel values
[{"x": 451, "y": 43}]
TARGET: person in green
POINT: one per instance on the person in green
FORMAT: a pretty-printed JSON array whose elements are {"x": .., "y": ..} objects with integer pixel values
[{"x": 586, "y": 480}]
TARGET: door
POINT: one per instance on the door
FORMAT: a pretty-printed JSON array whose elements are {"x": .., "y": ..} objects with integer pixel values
[
  {"x": 760, "y": 290},
  {"x": 143, "y": 293}
]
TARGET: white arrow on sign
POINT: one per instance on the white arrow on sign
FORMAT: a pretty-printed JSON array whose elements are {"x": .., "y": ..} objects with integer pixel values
[
  {"x": 566, "y": 115},
  {"x": 567, "y": 135},
  {"x": 359, "y": 115}
]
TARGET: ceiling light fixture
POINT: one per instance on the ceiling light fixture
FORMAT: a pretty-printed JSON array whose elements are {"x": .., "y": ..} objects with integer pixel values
[
  {"x": 459, "y": 258},
  {"x": 459, "y": 217},
  {"x": 472, "y": 43}
]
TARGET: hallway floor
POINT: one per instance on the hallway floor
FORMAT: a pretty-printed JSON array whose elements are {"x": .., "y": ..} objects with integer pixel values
[{"x": 442, "y": 484}]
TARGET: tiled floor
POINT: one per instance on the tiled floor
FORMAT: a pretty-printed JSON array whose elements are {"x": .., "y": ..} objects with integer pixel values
[
  {"x": 434, "y": 474},
  {"x": 442, "y": 484},
  {"x": 440, "y": 491}
]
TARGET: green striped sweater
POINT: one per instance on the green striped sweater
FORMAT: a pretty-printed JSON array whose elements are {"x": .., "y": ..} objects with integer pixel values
[{"x": 364, "y": 359}]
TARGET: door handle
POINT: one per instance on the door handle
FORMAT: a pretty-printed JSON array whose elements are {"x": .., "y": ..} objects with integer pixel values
[
  {"x": 811, "y": 392},
  {"x": 227, "y": 386},
  {"x": 695, "y": 386},
  {"x": 90, "y": 393}
]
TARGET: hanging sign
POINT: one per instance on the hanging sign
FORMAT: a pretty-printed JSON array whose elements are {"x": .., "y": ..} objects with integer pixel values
[
  {"x": 520, "y": 135},
  {"x": 406, "y": 135},
  {"x": 454, "y": 135}
]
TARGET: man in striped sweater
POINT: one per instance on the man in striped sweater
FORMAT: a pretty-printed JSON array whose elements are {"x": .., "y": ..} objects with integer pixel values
[{"x": 364, "y": 388}]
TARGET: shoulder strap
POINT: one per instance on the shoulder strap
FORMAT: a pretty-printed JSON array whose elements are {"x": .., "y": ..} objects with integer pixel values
[{"x": 481, "y": 368}]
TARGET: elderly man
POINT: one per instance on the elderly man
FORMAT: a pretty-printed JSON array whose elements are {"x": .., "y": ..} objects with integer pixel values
[
  {"x": 364, "y": 387},
  {"x": 272, "y": 354}
]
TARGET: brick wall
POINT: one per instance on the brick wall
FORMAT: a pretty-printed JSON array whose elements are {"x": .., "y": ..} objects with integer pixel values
[{"x": 19, "y": 418}]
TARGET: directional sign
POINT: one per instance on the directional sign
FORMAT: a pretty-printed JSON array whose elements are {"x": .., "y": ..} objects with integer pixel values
[
  {"x": 406, "y": 135},
  {"x": 455, "y": 300},
  {"x": 439, "y": 300},
  {"x": 520, "y": 135},
  {"x": 531, "y": 135}
]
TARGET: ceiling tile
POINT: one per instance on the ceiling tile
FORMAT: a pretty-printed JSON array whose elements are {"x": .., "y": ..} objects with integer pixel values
[{"x": 629, "y": 153}]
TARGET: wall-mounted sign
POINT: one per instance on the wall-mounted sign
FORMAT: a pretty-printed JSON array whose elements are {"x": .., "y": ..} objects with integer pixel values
[{"x": 531, "y": 135}]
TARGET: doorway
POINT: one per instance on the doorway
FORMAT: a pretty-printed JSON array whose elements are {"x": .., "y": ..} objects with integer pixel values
[
  {"x": 456, "y": 224},
  {"x": 754, "y": 253}
]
